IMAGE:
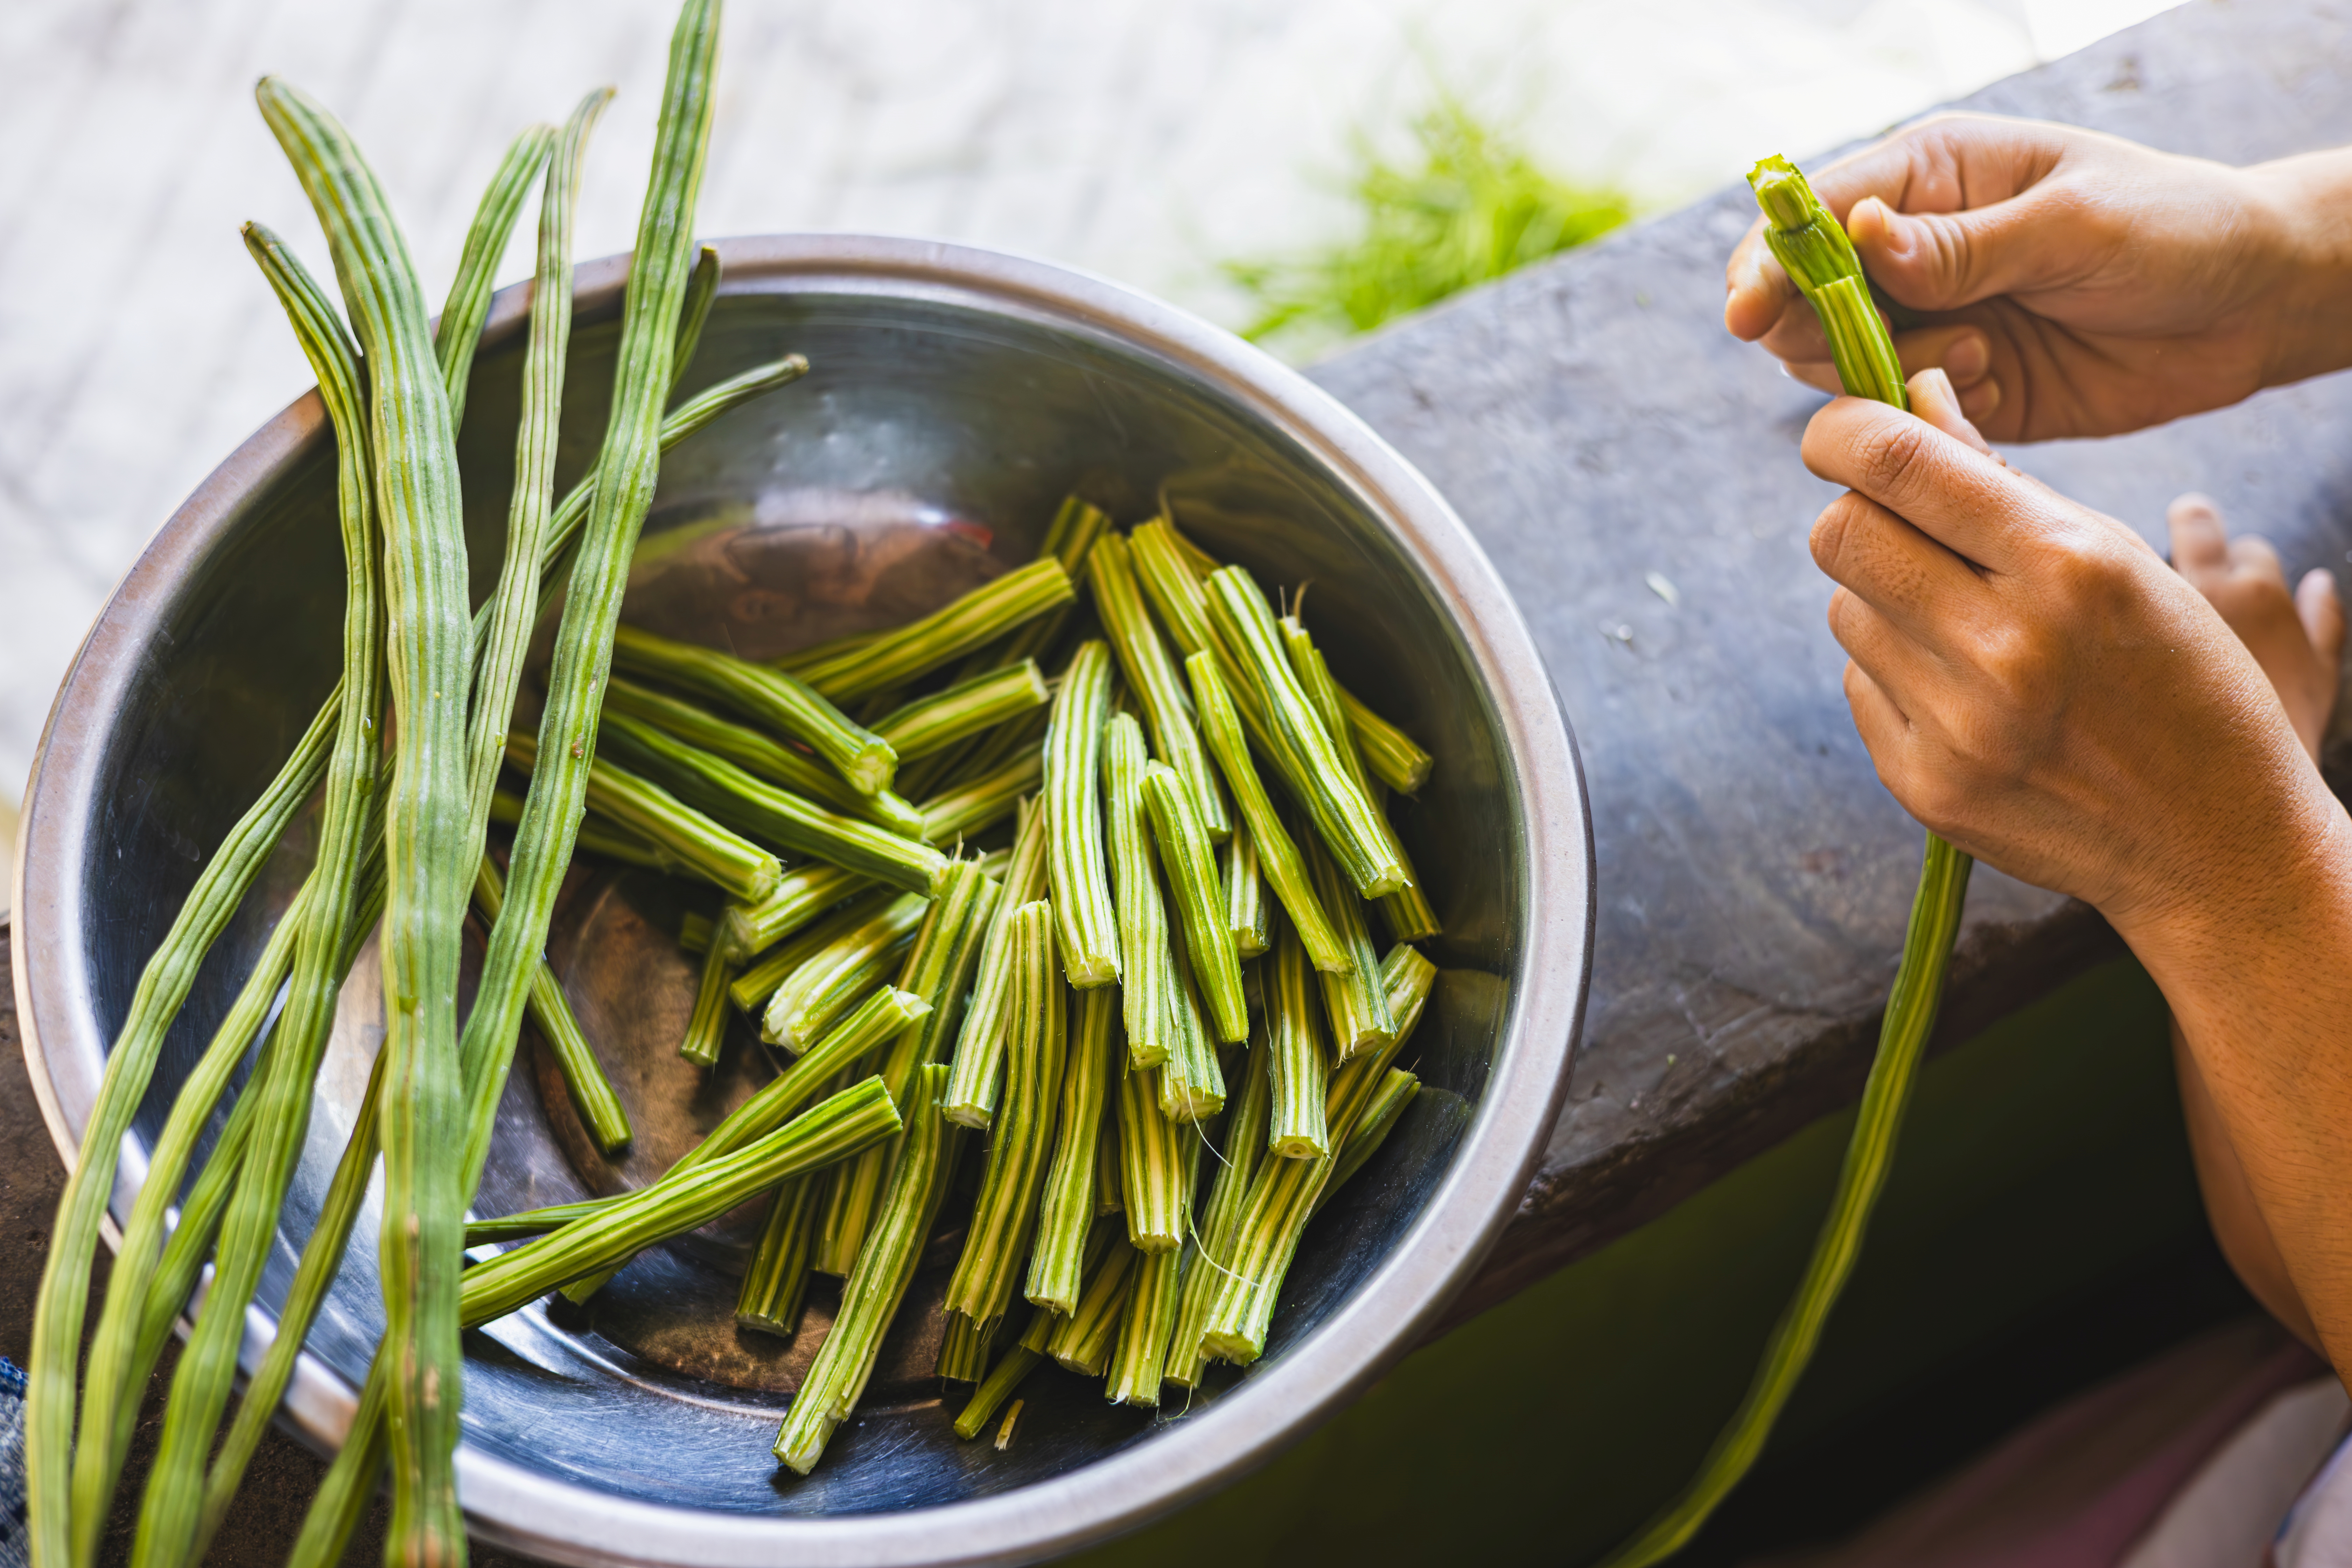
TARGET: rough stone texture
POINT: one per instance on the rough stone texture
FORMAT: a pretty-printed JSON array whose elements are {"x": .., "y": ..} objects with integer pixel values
[{"x": 1595, "y": 426}]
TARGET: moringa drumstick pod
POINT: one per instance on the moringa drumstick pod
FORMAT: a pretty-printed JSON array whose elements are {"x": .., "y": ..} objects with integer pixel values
[
  {"x": 752, "y": 805},
  {"x": 1148, "y": 982},
  {"x": 1151, "y": 675},
  {"x": 1082, "y": 903},
  {"x": 862, "y": 758},
  {"x": 926, "y": 1157},
  {"x": 1813, "y": 248},
  {"x": 1066, "y": 1211},
  {"x": 760, "y": 755},
  {"x": 1191, "y": 866},
  {"x": 1279, "y": 860},
  {"x": 894, "y": 658},
  {"x": 978, "y": 1067},
  {"x": 1005, "y": 1216}
]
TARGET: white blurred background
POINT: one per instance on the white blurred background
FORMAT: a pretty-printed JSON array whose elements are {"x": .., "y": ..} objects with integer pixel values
[{"x": 1143, "y": 139}]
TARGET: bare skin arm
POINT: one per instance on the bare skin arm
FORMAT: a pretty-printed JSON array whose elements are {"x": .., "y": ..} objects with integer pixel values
[
  {"x": 2298, "y": 640},
  {"x": 2037, "y": 685}
]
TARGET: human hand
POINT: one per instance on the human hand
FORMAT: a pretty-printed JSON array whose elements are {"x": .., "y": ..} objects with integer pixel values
[
  {"x": 2073, "y": 284},
  {"x": 2035, "y": 684},
  {"x": 2297, "y": 639}
]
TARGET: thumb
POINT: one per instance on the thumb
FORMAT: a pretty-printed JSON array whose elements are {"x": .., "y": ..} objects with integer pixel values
[{"x": 1942, "y": 261}]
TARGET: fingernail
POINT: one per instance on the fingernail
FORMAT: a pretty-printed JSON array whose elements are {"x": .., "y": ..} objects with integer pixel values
[
  {"x": 1980, "y": 402},
  {"x": 1941, "y": 384},
  {"x": 1969, "y": 357}
]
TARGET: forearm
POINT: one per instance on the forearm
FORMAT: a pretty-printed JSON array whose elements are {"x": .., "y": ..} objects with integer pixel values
[
  {"x": 2259, "y": 972},
  {"x": 2229, "y": 1207},
  {"x": 2308, "y": 202}
]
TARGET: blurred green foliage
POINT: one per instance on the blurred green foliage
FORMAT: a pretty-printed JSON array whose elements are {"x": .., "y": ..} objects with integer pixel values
[{"x": 1466, "y": 205}]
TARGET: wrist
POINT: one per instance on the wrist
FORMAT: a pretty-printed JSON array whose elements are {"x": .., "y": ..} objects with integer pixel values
[
  {"x": 2303, "y": 208},
  {"x": 2258, "y": 905}
]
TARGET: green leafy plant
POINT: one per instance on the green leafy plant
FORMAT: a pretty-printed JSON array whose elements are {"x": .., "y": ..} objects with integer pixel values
[{"x": 1467, "y": 204}]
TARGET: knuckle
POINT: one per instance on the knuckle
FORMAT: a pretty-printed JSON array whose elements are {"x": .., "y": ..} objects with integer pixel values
[
  {"x": 1893, "y": 460},
  {"x": 1832, "y": 536}
]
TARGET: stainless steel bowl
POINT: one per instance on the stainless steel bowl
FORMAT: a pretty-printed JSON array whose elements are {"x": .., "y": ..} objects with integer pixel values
[{"x": 957, "y": 395}]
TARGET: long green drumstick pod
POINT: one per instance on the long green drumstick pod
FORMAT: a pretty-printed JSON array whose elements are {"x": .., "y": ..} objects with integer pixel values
[
  {"x": 1082, "y": 903},
  {"x": 200, "y": 1384},
  {"x": 978, "y": 1066},
  {"x": 513, "y": 604},
  {"x": 106, "y": 1427},
  {"x": 1082, "y": 1341},
  {"x": 711, "y": 850},
  {"x": 823, "y": 1135},
  {"x": 1348, "y": 824},
  {"x": 1148, "y": 983},
  {"x": 897, "y": 656},
  {"x": 1356, "y": 1002},
  {"x": 821, "y": 989},
  {"x": 760, "y": 755},
  {"x": 1243, "y": 1151},
  {"x": 488, "y": 1044},
  {"x": 926, "y": 1157},
  {"x": 1294, "y": 1058},
  {"x": 1151, "y": 675},
  {"x": 1065, "y": 1213},
  {"x": 1192, "y": 1084},
  {"x": 1152, "y": 1165},
  {"x": 626, "y": 469},
  {"x": 458, "y": 333},
  {"x": 1191, "y": 866},
  {"x": 1410, "y": 916},
  {"x": 863, "y": 759},
  {"x": 163, "y": 985},
  {"x": 1285, "y": 869},
  {"x": 933, "y": 723},
  {"x": 1139, "y": 1349},
  {"x": 601, "y": 1111},
  {"x": 429, "y": 852},
  {"x": 777, "y": 1282},
  {"x": 1244, "y": 895},
  {"x": 1035, "y": 1047},
  {"x": 1812, "y": 245},
  {"x": 752, "y": 805}
]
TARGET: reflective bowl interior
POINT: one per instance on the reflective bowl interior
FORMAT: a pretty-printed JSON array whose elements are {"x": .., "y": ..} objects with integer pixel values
[{"x": 925, "y": 453}]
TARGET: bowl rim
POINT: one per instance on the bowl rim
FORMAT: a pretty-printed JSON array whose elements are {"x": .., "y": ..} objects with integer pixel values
[{"x": 1381, "y": 1319}]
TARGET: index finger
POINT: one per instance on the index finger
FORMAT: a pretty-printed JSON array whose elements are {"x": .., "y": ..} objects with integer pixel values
[
  {"x": 1945, "y": 163},
  {"x": 1964, "y": 499}
]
